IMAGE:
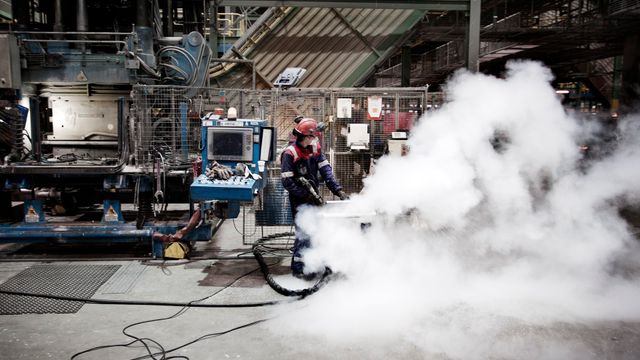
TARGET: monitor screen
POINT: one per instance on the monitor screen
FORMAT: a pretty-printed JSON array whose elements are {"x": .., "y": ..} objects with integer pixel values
[
  {"x": 227, "y": 144},
  {"x": 230, "y": 143}
]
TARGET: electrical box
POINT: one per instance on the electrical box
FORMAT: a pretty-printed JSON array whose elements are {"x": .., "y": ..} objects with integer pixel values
[
  {"x": 76, "y": 118},
  {"x": 398, "y": 143},
  {"x": 358, "y": 136},
  {"x": 290, "y": 76},
  {"x": 9, "y": 62}
]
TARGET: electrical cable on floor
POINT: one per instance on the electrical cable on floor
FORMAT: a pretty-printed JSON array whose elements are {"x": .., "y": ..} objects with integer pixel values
[
  {"x": 139, "y": 302},
  {"x": 212, "y": 335},
  {"x": 255, "y": 229},
  {"x": 264, "y": 267},
  {"x": 180, "y": 312},
  {"x": 106, "y": 347},
  {"x": 162, "y": 351}
]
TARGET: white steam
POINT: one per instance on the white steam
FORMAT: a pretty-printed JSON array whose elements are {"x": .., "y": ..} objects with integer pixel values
[{"x": 485, "y": 233}]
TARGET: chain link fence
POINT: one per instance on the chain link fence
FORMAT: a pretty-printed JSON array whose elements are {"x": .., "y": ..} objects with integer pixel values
[{"x": 165, "y": 124}]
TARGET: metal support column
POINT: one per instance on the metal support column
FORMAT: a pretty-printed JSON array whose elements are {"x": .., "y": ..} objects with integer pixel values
[
  {"x": 473, "y": 36},
  {"x": 213, "y": 27},
  {"x": 630, "y": 73},
  {"x": 34, "y": 110},
  {"x": 405, "y": 79},
  {"x": 168, "y": 18}
]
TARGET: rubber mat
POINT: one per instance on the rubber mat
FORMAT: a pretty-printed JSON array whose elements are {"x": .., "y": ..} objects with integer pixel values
[{"x": 61, "y": 280}]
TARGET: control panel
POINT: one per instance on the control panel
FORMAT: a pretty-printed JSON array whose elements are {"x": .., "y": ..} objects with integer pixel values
[
  {"x": 240, "y": 148},
  {"x": 238, "y": 188}
]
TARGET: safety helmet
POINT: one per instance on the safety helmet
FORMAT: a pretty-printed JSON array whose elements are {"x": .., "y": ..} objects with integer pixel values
[{"x": 305, "y": 127}]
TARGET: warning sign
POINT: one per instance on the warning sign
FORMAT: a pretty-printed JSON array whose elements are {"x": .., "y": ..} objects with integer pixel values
[{"x": 374, "y": 108}]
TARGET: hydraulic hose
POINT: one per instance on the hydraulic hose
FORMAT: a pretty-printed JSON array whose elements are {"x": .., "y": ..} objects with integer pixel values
[{"x": 257, "y": 252}]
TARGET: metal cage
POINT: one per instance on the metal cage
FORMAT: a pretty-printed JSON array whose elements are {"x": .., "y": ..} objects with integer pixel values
[{"x": 165, "y": 123}]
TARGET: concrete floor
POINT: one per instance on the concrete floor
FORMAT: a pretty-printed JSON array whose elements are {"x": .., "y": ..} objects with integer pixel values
[{"x": 60, "y": 336}]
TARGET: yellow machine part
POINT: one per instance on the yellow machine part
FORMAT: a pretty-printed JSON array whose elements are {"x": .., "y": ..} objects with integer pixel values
[{"x": 176, "y": 250}]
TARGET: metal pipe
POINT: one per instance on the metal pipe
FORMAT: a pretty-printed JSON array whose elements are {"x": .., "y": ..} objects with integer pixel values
[
  {"x": 473, "y": 36},
  {"x": 181, "y": 233},
  {"x": 169, "y": 17},
  {"x": 34, "y": 110},
  {"x": 122, "y": 139},
  {"x": 213, "y": 27},
  {"x": 80, "y": 143},
  {"x": 77, "y": 41},
  {"x": 82, "y": 22},
  {"x": 58, "y": 26},
  {"x": 125, "y": 45},
  {"x": 62, "y": 232},
  {"x": 74, "y": 32},
  {"x": 47, "y": 193},
  {"x": 142, "y": 14}
]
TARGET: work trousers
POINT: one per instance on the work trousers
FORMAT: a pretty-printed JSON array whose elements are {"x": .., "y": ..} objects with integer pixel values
[{"x": 302, "y": 240}]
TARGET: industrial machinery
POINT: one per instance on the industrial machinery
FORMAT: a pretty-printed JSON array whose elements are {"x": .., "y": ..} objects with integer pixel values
[
  {"x": 243, "y": 144},
  {"x": 80, "y": 161}
]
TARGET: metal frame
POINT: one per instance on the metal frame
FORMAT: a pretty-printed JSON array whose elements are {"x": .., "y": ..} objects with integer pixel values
[
  {"x": 460, "y": 5},
  {"x": 473, "y": 8}
]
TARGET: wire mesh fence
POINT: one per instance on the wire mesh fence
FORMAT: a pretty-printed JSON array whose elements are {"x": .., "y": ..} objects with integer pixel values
[{"x": 166, "y": 124}]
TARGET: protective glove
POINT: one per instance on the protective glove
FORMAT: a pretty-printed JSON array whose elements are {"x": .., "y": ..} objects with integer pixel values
[
  {"x": 218, "y": 171},
  {"x": 315, "y": 199},
  {"x": 241, "y": 169},
  {"x": 342, "y": 195},
  {"x": 223, "y": 172}
]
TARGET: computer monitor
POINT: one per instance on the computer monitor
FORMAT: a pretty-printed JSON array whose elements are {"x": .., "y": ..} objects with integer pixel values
[{"x": 230, "y": 144}]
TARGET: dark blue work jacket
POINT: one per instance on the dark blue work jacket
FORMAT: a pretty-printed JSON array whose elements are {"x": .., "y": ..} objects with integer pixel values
[{"x": 297, "y": 161}]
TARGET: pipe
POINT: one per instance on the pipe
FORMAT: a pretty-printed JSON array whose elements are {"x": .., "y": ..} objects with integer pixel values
[
  {"x": 213, "y": 27},
  {"x": 145, "y": 32},
  {"x": 58, "y": 26},
  {"x": 82, "y": 22},
  {"x": 36, "y": 149},
  {"x": 142, "y": 14},
  {"x": 180, "y": 234},
  {"x": 83, "y": 41},
  {"x": 65, "y": 232},
  {"x": 75, "y": 33},
  {"x": 169, "y": 11}
]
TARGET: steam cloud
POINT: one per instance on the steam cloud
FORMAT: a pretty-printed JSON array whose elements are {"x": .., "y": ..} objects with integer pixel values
[{"x": 491, "y": 230}]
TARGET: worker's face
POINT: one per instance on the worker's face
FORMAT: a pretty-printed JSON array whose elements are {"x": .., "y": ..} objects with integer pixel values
[{"x": 308, "y": 140}]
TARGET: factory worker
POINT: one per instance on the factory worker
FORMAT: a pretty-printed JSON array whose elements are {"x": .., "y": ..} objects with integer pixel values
[{"x": 301, "y": 162}]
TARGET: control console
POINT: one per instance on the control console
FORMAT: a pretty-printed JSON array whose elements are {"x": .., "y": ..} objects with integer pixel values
[{"x": 238, "y": 188}]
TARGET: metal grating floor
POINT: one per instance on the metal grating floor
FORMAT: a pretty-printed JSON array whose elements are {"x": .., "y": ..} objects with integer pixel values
[
  {"x": 124, "y": 279},
  {"x": 62, "y": 280}
]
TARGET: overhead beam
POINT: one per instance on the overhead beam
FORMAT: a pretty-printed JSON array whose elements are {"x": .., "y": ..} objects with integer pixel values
[{"x": 451, "y": 5}]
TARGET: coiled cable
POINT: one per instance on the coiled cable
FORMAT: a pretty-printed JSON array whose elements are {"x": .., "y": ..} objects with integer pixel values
[{"x": 258, "y": 251}]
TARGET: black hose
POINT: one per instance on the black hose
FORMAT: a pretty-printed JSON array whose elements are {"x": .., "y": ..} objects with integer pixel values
[
  {"x": 257, "y": 252},
  {"x": 137, "y": 302}
]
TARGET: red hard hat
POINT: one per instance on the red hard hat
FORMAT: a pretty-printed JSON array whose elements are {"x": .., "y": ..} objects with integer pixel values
[{"x": 306, "y": 126}]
